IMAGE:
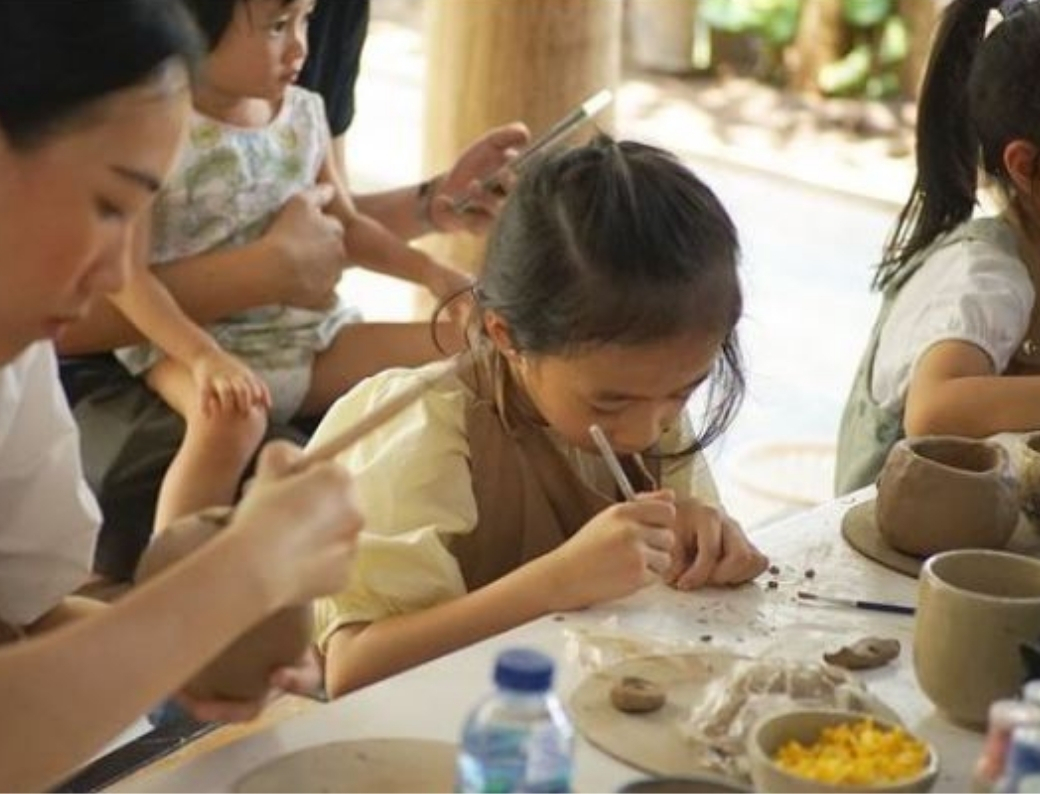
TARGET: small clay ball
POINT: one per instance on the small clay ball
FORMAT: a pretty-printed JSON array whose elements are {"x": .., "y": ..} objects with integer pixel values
[
  {"x": 635, "y": 695},
  {"x": 774, "y": 570},
  {"x": 772, "y": 584}
]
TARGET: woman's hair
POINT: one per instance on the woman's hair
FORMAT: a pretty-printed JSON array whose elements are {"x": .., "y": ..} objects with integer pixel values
[
  {"x": 617, "y": 243},
  {"x": 58, "y": 57},
  {"x": 980, "y": 93},
  {"x": 214, "y": 16}
]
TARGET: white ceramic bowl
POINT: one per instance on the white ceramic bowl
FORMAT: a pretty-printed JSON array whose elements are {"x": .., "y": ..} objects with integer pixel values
[{"x": 805, "y": 726}]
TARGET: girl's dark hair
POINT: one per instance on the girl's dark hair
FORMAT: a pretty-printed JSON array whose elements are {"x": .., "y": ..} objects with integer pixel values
[
  {"x": 57, "y": 57},
  {"x": 979, "y": 94},
  {"x": 617, "y": 243},
  {"x": 214, "y": 16}
]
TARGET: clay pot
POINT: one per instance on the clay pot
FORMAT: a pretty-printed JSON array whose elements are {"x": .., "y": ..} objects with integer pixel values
[
  {"x": 974, "y": 608},
  {"x": 242, "y": 670},
  {"x": 937, "y": 493},
  {"x": 1028, "y": 465}
]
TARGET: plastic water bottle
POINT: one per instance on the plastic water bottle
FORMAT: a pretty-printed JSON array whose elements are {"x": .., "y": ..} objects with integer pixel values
[{"x": 518, "y": 738}]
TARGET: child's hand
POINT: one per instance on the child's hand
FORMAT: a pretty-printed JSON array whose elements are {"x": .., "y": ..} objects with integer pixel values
[
  {"x": 711, "y": 549},
  {"x": 620, "y": 550},
  {"x": 226, "y": 384}
]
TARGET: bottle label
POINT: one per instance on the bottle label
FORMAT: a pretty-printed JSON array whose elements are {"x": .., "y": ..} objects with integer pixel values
[
  {"x": 537, "y": 760},
  {"x": 548, "y": 761}
]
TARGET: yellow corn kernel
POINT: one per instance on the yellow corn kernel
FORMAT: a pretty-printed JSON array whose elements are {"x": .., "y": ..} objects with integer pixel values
[{"x": 858, "y": 753}]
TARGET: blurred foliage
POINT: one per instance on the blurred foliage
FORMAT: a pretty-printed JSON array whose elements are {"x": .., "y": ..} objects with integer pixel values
[
  {"x": 774, "y": 20},
  {"x": 880, "y": 40}
]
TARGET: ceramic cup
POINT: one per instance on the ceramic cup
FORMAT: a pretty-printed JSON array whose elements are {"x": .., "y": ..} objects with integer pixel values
[
  {"x": 974, "y": 608},
  {"x": 937, "y": 493}
]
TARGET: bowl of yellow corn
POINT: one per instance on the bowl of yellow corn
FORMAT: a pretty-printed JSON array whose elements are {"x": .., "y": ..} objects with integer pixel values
[{"x": 827, "y": 750}]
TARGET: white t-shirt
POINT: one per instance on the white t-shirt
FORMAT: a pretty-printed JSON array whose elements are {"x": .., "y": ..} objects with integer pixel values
[
  {"x": 48, "y": 516},
  {"x": 972, "y": 291}
]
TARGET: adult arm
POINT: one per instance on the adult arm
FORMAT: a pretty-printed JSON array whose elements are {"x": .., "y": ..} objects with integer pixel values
[
  {"x": 76, "y": 687},
  {"x": 413, "y": 211},
  {"x": 297, "y": 262}
]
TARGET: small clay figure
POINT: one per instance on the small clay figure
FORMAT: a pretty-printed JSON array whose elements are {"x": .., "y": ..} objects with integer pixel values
[
  {"x": 635, "y": 695},
  {"x": 865, "y": 654}
]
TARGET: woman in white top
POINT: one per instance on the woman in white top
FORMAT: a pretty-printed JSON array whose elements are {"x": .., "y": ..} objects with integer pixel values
[
  {"x": 93, "y": 103},
  {"x": 959, "y": 311}
]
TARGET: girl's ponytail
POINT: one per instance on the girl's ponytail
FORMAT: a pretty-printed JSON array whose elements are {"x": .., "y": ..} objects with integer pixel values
[{"x": 947, "y": 147}]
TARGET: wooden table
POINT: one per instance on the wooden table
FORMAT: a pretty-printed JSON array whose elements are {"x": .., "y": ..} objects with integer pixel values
[{"x": 432, "y": 700}]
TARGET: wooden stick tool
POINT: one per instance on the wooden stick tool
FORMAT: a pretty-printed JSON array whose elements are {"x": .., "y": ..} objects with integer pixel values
[{"x": 381, "y": 415}]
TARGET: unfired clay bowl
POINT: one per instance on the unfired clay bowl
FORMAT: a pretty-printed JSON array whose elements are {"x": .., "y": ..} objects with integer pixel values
[
  {"x": 770, "y": 733},
  {"x": 242, "y": 670},
  {"x": 974, "y": 608},
  {"x": 937, "y": 493}
]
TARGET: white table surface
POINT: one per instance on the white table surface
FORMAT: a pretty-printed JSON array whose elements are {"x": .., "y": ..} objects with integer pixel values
[{"x": 432, "y": 700}]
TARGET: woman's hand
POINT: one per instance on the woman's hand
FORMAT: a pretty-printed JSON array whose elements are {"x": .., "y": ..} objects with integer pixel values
[
  {"x": 618, "y": 551},
  {"x": 296, "y": 531},
  {"x": 309, "y": 245},
  {"x": 226, "y": 384},
  {"x": 489, "y": 155},
  {"x": 711, "y": 549},
  {"x": 304, "y": 678}
]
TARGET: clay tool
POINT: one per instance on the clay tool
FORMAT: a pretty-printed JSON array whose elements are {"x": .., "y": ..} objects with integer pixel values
[
  {"x": 554, "y": 135},
  {"x": 612, "y": 462},
  {"x": 385, "y": 412},
  {"x": 857, "y": 603}
]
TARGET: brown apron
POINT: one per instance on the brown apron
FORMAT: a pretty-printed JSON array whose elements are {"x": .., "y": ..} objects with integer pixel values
[{"x": 529, "y": 498}]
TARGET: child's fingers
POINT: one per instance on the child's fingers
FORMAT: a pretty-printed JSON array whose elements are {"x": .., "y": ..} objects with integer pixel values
[
  {"x": 243, "y": 396},
  {"x": 657, "y": 561},
  {"x": 661, "y": 495},
  {"x": 659, "y": 539},
  {"x": 651, "y": 512}
]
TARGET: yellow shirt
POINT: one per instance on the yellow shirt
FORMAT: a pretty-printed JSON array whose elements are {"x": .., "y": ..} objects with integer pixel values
[{"x": 412, "y": 483}]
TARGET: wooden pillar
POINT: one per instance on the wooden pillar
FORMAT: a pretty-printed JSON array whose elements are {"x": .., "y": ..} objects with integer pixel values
[{"x": 494, "y": 61}]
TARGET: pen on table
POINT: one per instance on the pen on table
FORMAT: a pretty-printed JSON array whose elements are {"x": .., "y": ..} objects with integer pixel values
[
  {"x": 586, "y": 110},
  {"x": 612, "y": 462},
  {"x": 858, "y": 603}
]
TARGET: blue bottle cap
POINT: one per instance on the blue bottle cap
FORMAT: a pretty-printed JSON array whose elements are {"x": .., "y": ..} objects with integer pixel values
[{"x": 524, "y": 670}]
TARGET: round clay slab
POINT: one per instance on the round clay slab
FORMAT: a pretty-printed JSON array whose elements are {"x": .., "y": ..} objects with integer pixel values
[
  {"x": 376, "y": 765},
  {"x": 655, "y": 741},
  {"x": 859, "y": 527},
  {"x": 860, "y": 530}
]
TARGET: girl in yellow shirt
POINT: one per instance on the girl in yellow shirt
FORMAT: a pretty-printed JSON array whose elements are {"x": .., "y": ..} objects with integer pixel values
[{"x": 609, "y": 295}]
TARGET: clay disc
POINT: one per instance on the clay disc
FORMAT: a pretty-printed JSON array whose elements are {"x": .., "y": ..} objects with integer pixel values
[
  {"x": 654, "y": 742},
  {"x": 860, "y": 530},
  {"x": 385, "y": 765}
]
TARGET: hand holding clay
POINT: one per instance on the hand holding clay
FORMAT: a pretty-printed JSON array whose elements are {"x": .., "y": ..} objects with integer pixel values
[{"x": 299, "y": 533}]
